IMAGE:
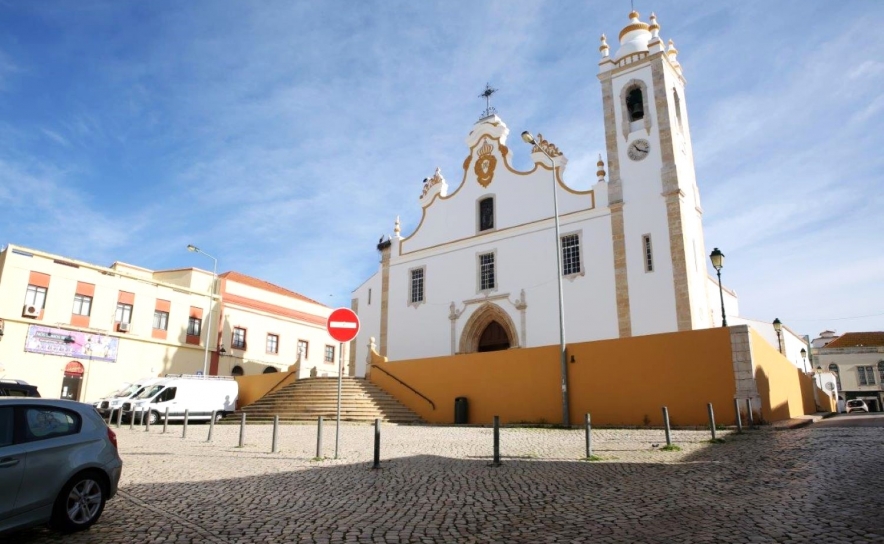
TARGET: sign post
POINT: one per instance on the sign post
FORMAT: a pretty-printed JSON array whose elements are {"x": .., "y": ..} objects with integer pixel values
[{"x": 343, "y": 326}]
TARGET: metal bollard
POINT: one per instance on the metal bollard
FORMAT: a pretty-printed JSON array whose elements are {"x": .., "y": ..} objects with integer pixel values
[
  {"x": 242, "y": 430},
  {"x": 588, "y": 425},
  {"x": 739, "y": 419},
  {"x": 666, "y": 426},
  {"x": 186, "y": 418},
  {"x": 274, "y": 446},
  {"x": 496, "y": 462},
  {"x": 147, "y": 423},
  {"x": 166, "y": 420},
  {"x": 212, "y": 425},
  {"x": 141, "y": 418},
  {"x": 132, "y": 421},
  {"x": 377, "y": 444},
  {"x": 319, "y": 437},
  {"x": 119, "y": 417},
  {"x": 110, "y": 417},
  {"x": 749, "y": 410},
  {"x": 711, "y": 419}
]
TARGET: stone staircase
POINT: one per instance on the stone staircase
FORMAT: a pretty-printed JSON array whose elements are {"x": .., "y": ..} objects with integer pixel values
[{"x": 305, "y": 399}]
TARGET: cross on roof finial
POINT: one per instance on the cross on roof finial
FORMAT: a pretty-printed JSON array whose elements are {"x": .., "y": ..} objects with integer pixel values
[{"x": 486, "y": 94}]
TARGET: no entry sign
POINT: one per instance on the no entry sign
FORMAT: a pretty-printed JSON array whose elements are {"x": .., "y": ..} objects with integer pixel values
[{"x": 343, "y": 324}]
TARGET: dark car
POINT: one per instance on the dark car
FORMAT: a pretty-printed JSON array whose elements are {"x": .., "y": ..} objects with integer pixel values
[{"x": 17, "y": 388}]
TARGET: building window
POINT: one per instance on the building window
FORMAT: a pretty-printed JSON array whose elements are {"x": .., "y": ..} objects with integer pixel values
[
  {"x": 570, "y": 254},
  {"x": 124, "y": 313},
  {"x": 486, "y": 214},
  {"x": 194, "y": 326},
  {"x": 82, "y": 305},
  {"x": 881, "y": 371},
  {"x": 272, "y": 343},
  {"x": 369, "y": 296},
  {"x": 833, "y": 368},
  {"x": 36, "y": 297},
  {"x": 239, "y": 338},
  {"x": 486, "y": 272},
  {"x": 303, "y": 347},
  {"x": 866, "y": 375},
  {"x": 161, "y": 320},
  {"x": 677, "y": 102},
  {"x": 648, "y": 253},
  {"x": 635, "y": 104},
  {"x": 417, "y": 286},
  {"x": 329, "y": 354}
]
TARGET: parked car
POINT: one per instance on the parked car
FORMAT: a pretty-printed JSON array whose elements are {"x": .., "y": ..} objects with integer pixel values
[
  {"x": 857, "y": 405},
  {"x": 200, "y": 396},
  {"x": 17, "y": 388},
  {"x": 58, "y": 464},
  {"x": 109, "y": 405}
]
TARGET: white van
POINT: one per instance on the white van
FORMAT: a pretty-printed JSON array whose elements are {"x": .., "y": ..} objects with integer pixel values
[
  {"x": 109, "y": 405},
  {"x": 199, "y": 395}
]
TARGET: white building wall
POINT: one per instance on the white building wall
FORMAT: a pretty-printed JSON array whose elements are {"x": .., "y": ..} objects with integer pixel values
[{"x": 369, "y": 312}]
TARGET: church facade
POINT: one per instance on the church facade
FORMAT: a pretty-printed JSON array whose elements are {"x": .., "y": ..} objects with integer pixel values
[{"x": 480, "y": 271}]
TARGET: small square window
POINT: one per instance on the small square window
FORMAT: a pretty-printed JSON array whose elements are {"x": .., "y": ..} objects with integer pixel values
[
  {"x": 161, "y": 320},
  {"x": 82, "y": 305},
  {"x": 239, "y": 338},
  {"x": 329, "y": 354},
  {"x": 272, "y": 343},
  {"x": 36, "y": 297},
  {"x": 570, "y": 254},
  {"x": 124, "y": 313},
  {"x": 194, "y": 326},
  {"x": 303, "y": 347}
]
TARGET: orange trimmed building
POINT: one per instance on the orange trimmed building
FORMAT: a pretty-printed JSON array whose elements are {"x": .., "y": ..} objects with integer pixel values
[{"x": 79, "y": 330}]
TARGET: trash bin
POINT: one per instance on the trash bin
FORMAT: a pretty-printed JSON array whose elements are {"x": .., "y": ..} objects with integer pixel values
[{"x": 460, "y": 410}]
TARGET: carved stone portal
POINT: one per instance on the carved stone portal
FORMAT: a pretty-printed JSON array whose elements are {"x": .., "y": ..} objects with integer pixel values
[{"x": 477, "y": 324}]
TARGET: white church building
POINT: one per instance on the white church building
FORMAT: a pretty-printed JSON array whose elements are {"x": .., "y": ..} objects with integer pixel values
[{"x": 479, "y": 273}]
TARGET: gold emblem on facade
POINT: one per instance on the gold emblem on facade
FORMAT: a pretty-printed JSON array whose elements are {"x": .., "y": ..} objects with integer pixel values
[{"x": 485, "y": 164}]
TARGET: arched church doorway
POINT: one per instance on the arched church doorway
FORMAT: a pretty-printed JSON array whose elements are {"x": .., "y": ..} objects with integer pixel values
[{"x": 494, "y": 338}]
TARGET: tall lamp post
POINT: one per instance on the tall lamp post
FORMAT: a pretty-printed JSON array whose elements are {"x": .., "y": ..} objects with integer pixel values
[
  {"x": 717, "y": 258},
  {"x": 566, "y": 417},
  {"x": 804, "y": 359},
  {"x": 778, "y": 326},
  {"x": 195, "y": 249}
]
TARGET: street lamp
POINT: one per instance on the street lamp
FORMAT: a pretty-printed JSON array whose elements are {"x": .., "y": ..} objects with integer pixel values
[
  {"x": 717, "y": 258},
  {"x": 804, "y": 358},
  {"x": 566, "y": 417},
  {"x": 193, "y": 248},
  {"x": 778, "y": 326}
]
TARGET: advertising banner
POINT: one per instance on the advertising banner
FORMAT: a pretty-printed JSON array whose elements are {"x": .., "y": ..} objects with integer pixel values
[{"x": 72, "y": 344}]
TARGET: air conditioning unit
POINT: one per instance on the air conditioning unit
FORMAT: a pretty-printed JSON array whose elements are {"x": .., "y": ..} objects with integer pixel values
[
  {"x": 124, "y": 327},
  {"x": 30, "y": 311}
]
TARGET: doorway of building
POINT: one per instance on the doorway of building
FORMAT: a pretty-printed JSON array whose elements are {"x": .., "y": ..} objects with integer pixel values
[
  {"x": 72, "y": 381},
  {"x": 494, "y": 338}
]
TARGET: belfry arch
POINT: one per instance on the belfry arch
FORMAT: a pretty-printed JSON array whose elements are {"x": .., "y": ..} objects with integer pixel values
[{"x": 487, "y": 328}]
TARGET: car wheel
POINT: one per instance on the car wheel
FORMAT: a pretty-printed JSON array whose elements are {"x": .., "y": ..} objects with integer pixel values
[
  {"x": 80, "y": 503},
  {"x": 153, "y": 418},
  {"x": 219, "y": 416}
]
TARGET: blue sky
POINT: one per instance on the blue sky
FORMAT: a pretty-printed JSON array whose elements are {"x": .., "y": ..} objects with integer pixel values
[{"x": 285, "y": 137}]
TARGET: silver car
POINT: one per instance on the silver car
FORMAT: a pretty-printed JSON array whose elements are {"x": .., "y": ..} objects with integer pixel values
[{"x": 58, "y": 464}]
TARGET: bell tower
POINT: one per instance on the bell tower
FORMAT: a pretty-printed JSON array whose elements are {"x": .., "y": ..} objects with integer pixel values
[{"x": 656, "y": 218}]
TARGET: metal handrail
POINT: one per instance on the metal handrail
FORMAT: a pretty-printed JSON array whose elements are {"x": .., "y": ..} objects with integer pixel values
[{"x": 418, "y": 393}]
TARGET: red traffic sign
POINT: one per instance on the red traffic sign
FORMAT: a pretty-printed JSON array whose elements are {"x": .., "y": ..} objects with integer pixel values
[{"x": 343, "y": 324}]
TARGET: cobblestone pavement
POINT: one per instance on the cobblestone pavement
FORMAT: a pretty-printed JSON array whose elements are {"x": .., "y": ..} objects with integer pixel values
[{"x": 435, "y": 485}]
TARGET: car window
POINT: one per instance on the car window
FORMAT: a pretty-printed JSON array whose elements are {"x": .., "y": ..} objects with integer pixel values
[
  {"x": 149, "y": 392},
  {"x": 166, "y": 395},
  {"x": 5, "y": 426},
  {"x": 42, "y": 423},
  {"x": 16, "y": 393}
]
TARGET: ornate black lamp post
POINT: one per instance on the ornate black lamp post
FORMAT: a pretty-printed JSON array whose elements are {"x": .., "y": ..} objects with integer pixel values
[
  {"x": 717, "y": 258},
  {"x": 778, "y": 326}
]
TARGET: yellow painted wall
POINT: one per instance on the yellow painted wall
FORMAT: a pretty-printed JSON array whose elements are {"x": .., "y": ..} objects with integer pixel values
[
  {"x": 252, "y": 388},
  {"x": 620, "y": 382},
  {"x": 785, "y": 391}
]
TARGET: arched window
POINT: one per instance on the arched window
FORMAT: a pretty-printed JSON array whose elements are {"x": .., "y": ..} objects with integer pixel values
[
  {"x": 494, "y": 338},
  {"x": 833, "y": 368},
  {"x": 486, "y": 214},
  {"x": 270, "y": 370},
  {"x": 236, "y": 371},
  {"x": 635, "y": 106}
]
